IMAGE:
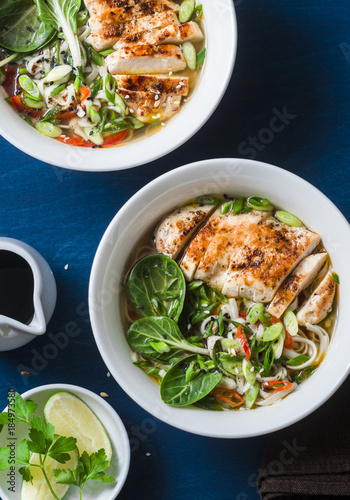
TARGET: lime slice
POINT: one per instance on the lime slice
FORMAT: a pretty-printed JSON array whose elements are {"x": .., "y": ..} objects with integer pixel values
[
  {"x": 74, "y": 418},
  {"x": 39, "y": 490}
]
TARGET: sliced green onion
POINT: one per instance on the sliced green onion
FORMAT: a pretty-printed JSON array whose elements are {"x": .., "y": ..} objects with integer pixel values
[
  {"x": 195, "y": 284},
  {"x": 58, "y": 89},
  {"x": 237, "y": 206},
  {"x": 248, "y": 371},
  {"x": 335, "y": 277},
  {"x": 21, "y": 71},
  {"x": 77, "y": 84},
  {"x": 2, "y": 76},
  {"x": 226, "y": 207},
  {"x": 49, "y": 129},
  {"x": 198, "y": 13},
  {"x": 186, "y": 10},
  {"x": 277, "y": 345},
  {"x": 288, "y": 218},
  {"x": 272, "y": 332},
  {"x": 96, "y": 87},
  {"x": 269, "y": 359},
  {"x": 33, "y": 103},
  {"x": 200, "y": 58},
  {"x": 104, "y": 118},
  {"x": 190, "y": 55},
  {"x": 299, "y": 360},
  {"x": 94, "y": 135},
  {"x": 95, "y": 57},
  {"x": 208, "y": 200},
  {"x": 94, "y": 115},
  {"x": 246, "y": 210},
  {"x": 251, "y": 395},
  {"x": 135, "y": 122},
  {"x": 105, "y": 53},
  {"x": 110, "y": 88},
  {"x": 305, "y": 373},
  {"x": 29, "y": 87},
  {"x": 120, "y": 103},
  {"x": 82, "y": 17},
  {"x": 255, "y": 312},
  {"x": 50, "y": 115},
  {"x": 159, "y": 346},
  {"x": 290, "y": 322},
  {"x": 58, "y": 73},
  {"x": 259, "y": 203}
]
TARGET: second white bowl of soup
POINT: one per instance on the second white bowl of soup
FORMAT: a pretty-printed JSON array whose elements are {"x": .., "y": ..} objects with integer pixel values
[{"x": 269, "y": 349}]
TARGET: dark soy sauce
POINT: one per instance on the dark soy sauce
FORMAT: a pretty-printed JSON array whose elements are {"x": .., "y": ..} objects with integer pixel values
[{"x": 16, "y": 287}]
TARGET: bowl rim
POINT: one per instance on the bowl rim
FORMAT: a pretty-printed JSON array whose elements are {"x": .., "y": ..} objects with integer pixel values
[
  {"x": 96, "y": 316},
  {"x": 179, "y": 129},
  {"x": 77, "y": 391}
]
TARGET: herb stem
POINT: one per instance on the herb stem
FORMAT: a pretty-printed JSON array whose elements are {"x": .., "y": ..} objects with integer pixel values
[
  {"x": 8, "y": 59},
  {"x": 42, "y": 463}
]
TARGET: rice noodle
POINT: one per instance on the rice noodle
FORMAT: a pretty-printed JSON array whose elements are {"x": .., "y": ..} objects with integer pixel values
[{"x": 269, "y": 399}]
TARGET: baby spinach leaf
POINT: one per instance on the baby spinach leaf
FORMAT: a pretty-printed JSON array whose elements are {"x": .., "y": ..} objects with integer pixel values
[
  {"x": 147, "y": 331},
  {"x": 21, "y": 30},
  {"x": 174, "y": 389},
  {"x": 156, "y": 287}
]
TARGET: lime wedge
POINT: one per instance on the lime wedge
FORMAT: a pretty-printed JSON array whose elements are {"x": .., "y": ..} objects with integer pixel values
[
  {"x": 74, "y": 418},
  {"x": 39, "y": 490}
]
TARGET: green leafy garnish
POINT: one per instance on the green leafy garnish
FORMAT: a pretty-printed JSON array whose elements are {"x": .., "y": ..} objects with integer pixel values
[
  {"x": 200, "y": 58},
  {"x": 335, "y": 277}
]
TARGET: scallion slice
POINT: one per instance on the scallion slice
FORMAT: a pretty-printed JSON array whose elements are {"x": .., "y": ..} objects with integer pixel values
[
  {"x": 208, "y": 200},
  {"x": 58, "y": 73},
  {"x": 94, "y": 115},
  {"x": 259, "y": 203},
  {"x": 226, "y": 207},
  {"x": 248, "y": 371},
  {"x": 290, "y": 322},
  {"x": 82, "y": 17},
  {"x": 190, "y": 55},
  {"x": 120, "y": 103},
  {"x": 237, "y": 206},
  {"x": 48, "y": 129},
  {"x": 33, "y": 103},
  {"x": 198, "y": 13},
  {"x": 251, "y": 395},
  {"x": 336, "y": 277},
  {"x": 58, "y": 89},
  {"x": 110, "y": 88},
  {"x": 200, "y": 58},
  {"x": 255, "y": 312},
  {"x": 186, "y": 10},
  {"x": 272, "y": 332},
  {"x": 105, "y": 53},
  {"x": 29, "y": 87},
  {"x": 94, "y": 135},
  {"x": 96, "y": 87},
  {"x": 288, "y": 218}
]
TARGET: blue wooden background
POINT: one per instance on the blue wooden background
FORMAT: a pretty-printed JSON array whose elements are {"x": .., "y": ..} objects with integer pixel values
[{"x": 293, "y": 58}]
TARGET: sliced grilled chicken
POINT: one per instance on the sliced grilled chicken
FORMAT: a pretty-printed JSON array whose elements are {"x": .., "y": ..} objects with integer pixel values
[
  {"x": 301, "y": 277},
  {"x": 176, "y": 229},
  {"x": 106, "y": 31},
  {"x": 266, "y": 258},
  {"x": 126, "y": 10},
  {"x": 320, "y": 302},
  {"x": 231, "y": 231},
  {"x": 173, "y": 33},
  {"x": 154, "y": 83},
  {"x": 136, "y": 59},
  {"x": 149, "y": 107},
  {"x": 199, "y": 245}
]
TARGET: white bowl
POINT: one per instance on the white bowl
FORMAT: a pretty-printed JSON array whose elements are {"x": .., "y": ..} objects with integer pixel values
[
  {"x": 221, "y": 43},
  {"x": 120, "y": 461},
  {"x": 144, "y": 209}
]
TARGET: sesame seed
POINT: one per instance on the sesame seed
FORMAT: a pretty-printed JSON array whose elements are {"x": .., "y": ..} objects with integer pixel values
[
  {"x": 170, "y": 73},
  {"x": 163, "y": 124},
  {"x": 66, "y": 267},
  {"x": 104, "y": 395},
  {"x": 148, "y": 454}
]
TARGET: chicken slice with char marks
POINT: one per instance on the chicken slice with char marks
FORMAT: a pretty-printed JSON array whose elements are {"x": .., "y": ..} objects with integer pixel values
[
  {"x": 138, "y": 59},
  {"x": 154, "y": 83},
  {"x": 301, "y": 278},
  {"x": 231, "y": 231},
  {"x": 320, "y": 302},
  {"x": 176, "y": 229},
  {"x": 199, "y": 245},
  {"x": 149, "y": 107},
  {"x": 127, "y": 10},
  {"x": 266, "y": 258},
  {"x": 172, "y": 33},
  {"x": 106, "y": 31}
]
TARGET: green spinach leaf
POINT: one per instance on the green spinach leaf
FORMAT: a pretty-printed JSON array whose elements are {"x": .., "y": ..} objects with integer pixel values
[
  {"x": 147, "y": 334},
  {"x": 20, "y": 28},
  {"x": 174, "y": 389},
  {"x": 156, "y": 287}
]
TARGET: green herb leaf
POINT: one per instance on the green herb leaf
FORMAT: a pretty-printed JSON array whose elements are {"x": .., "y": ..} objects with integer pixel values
[
  {"x": 26, "y": 474},
  {"x": 4, "y": 458},
  {"x": 153, "y": 275},
  {"x": 176, "y": 391},
  {"x": 23, "y": 453},
  {"x": 209, "y": 403},
  {"x": 60, "y": 447},
  {"x": 37, "y": 442},
  {"x": 71, "y": 477},
  {"x": 24, "y": 409},
  {"x": 159, "y": 329}
]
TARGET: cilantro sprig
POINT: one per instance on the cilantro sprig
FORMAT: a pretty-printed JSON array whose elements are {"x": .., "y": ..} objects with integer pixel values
[{"x": 43, "y": 441}]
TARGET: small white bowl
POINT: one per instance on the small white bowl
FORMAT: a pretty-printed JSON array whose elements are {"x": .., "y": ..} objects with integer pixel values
[
  {"x": 221, "y": 43},
  {"x": 142, "y": 211},
  {"x": 120, "y": 461}
]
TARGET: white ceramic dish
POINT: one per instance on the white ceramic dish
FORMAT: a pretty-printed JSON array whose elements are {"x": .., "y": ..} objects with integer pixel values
[
  {"x": 221, "y": 40},
  {"x": 120, "y": 461},
  {"x": 144, "y": 209}
]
